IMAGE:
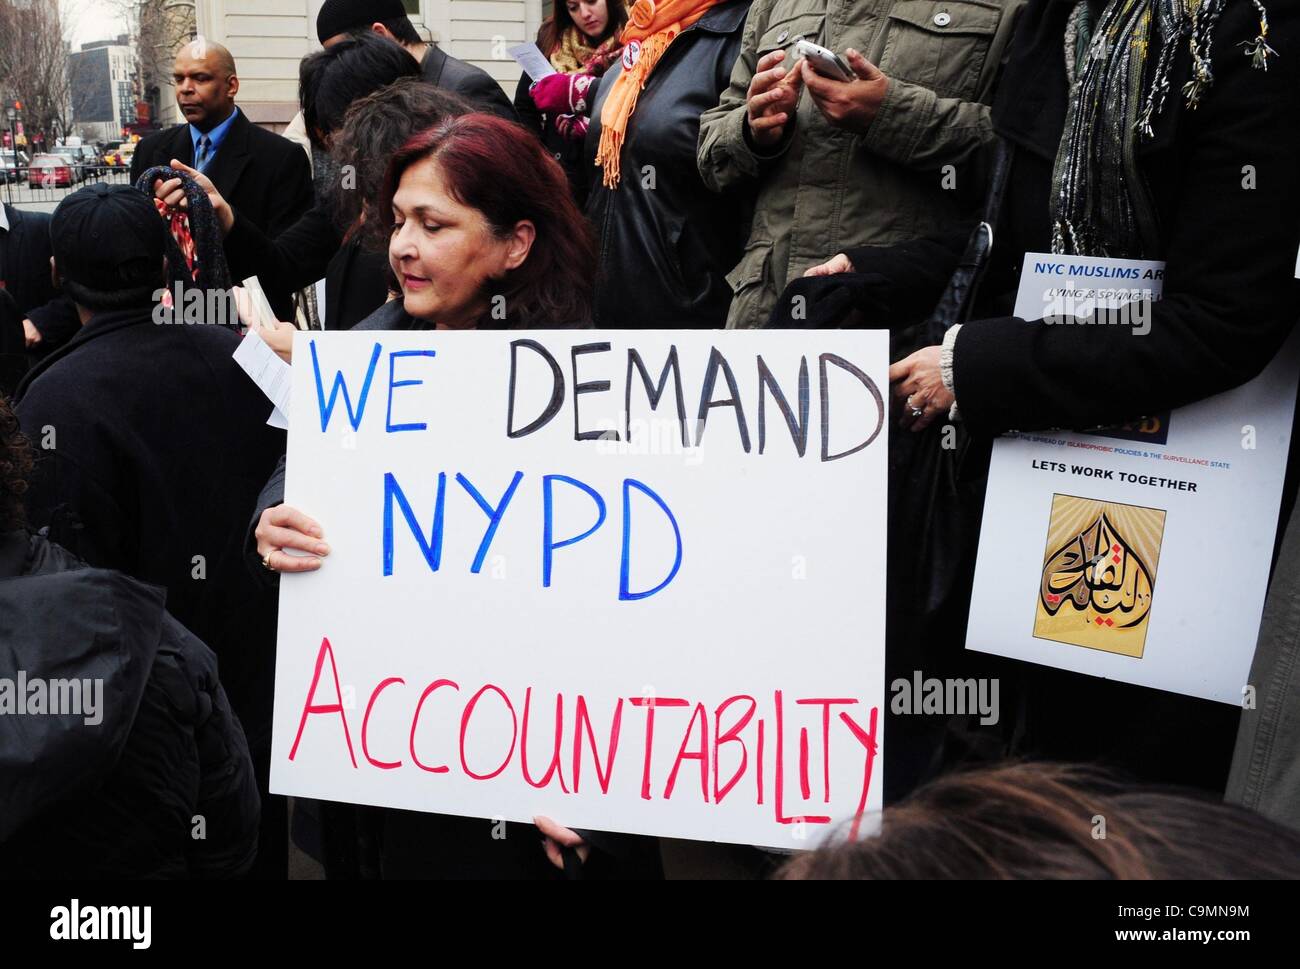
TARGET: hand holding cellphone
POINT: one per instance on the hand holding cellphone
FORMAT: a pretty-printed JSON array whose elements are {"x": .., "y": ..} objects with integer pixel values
[{"x": 825, "y": 62}]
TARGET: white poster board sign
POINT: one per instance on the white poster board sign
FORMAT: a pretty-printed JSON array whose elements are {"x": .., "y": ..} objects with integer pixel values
[
  {"x": 1140, "y": 553},
  {"x": 679, "y": 632}
]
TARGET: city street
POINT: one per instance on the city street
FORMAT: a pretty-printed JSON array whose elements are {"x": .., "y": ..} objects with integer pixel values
[{"x": 38, "y": 198}]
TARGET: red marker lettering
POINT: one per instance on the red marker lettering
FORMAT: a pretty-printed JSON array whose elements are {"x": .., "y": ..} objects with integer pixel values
[
  {"x": 555, "y": 754},
  {"x": 701, "y": 754},
  {"x": 826, "y": 703},
  {"x": 580, "y": 719},
  {"x": 868, "y": 740},
  {"x": 780, "y": 772},
  {"x": 415, "y": 722},
  {"x": 464, "y": 726},
  {"x": 365, "y": 725},
  {"x": 733, "y": 735},
  {"x": 803, "y": 763},
  {"x": 650, "y": 703},
  {"x": 309, "y": 707}
]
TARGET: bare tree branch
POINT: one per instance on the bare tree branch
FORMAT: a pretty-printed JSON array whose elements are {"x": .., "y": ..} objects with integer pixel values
[
  {"x": 34, "y": 64},
  {"x": 161, "y": 27}
]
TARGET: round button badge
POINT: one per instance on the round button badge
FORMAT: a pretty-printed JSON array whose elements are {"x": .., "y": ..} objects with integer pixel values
[
  {"x": 631, "y": 54},
  {"x": 642, "y": 13}
]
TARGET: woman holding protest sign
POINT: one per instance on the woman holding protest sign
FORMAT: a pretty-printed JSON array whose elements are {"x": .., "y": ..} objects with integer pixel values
[{"x": 483, "y": 235}]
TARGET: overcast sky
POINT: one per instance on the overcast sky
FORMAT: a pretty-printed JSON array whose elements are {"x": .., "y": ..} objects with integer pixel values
[{"x": 93, "y": 19}]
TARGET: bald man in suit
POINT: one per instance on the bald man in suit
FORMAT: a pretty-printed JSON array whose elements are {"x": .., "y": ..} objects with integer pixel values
[{"x": 264, "y": 177}]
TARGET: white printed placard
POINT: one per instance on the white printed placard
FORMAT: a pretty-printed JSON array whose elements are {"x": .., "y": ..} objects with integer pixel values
[
  {"x": 630, "y": 580},
  {"x": 1064, "y": 289},
  {"x": 1139, "y": 553}
]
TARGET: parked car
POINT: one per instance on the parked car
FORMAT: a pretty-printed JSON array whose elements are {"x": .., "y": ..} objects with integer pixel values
[
  {"x": 51, "y": 171},
  {"x": 13, "y": 165},
  {"x": 90, "y": 165},
  {"x": 72, "y": 153}
]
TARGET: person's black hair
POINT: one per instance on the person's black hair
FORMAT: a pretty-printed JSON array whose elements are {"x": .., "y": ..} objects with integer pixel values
[
  {"x": 400, "y": 27},
  {"x": 375, "y": 127},
  {"x": 331, "y": 79}
]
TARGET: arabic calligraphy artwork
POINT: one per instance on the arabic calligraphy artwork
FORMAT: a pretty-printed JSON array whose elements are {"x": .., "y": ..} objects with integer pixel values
[{"x": 1099, "y": 574}]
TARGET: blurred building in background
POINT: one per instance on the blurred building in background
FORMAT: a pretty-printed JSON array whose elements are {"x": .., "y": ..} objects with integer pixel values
[
  {"x": 101, "y": 77},
  {"x": 34, "y": 71},
  {"x": 159, "y": 27}
]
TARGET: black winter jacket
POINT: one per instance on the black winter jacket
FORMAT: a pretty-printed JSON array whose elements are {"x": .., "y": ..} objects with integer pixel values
[
  {"x": 665, "y": 241},
  {"x": 472, "y": 83},
  {"x": 356, "y": 279},
  {"x": 158, "y": 783},
  {"x": 152, "y": 447},
  {"x": 25, "y": 272}
]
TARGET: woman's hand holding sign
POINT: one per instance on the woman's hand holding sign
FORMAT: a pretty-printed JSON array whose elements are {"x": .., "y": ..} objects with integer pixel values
[
  {"x": 557, "y": 837},
  {"x": 282, "y": 527}
]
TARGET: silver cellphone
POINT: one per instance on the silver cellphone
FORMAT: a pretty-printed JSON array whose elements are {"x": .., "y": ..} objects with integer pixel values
[{"x": 825, "y": 62}]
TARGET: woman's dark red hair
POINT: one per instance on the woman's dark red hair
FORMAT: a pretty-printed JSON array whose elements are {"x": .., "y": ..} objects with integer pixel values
[{"x": 498, "y": 168}]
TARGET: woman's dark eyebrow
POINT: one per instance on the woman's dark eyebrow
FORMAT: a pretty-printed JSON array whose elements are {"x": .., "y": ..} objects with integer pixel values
[{"x": 421, "y": 210}]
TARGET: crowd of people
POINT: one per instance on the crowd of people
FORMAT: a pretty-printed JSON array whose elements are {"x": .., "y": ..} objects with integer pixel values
[{"x": 683, "y": 167}]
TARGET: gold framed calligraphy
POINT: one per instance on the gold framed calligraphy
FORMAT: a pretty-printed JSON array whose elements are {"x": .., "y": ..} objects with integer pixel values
[{"x": 1099, "y": 574}]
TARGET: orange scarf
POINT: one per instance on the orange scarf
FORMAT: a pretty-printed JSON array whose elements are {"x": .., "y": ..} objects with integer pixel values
[{"x": 652, "y": 26}]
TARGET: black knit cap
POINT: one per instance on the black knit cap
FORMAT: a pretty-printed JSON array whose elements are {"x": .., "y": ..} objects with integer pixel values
[
  {"x": 108, "y": 238},
  {"x": 340, "y": 16}
]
